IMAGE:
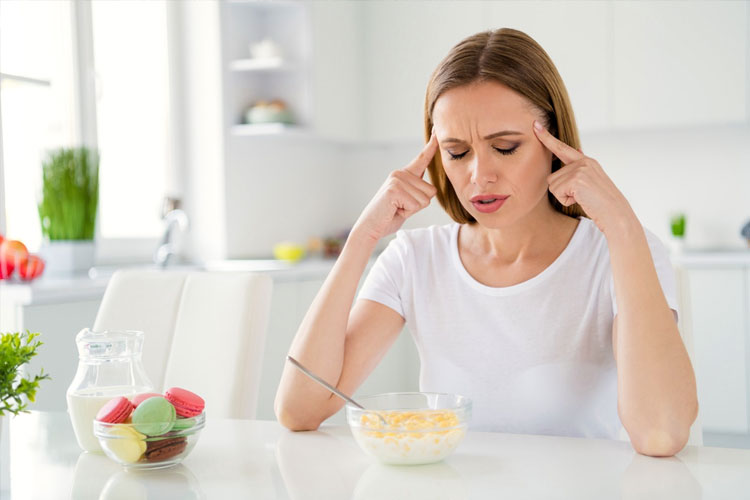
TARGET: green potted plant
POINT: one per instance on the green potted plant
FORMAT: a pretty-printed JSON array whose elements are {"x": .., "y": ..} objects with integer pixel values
[
  {"x": 67, "y": 209},
  {"x": 16, "y": 389},
  {"x": 677, "y": 227}
]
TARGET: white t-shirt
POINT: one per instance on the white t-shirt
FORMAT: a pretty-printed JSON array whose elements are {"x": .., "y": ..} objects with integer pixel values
[{"x": 536, "y": 357}]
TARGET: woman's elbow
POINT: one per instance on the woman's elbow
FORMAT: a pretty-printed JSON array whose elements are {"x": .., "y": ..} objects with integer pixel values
[
  {"x": 660, "y": 442},
  {"x": 293, "y": 420}
]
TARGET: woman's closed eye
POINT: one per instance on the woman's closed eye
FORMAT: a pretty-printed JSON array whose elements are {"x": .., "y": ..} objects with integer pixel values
[{"x": 458, "y": 156}]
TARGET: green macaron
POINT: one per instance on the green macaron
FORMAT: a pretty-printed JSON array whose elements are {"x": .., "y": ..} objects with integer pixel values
[
  {"x": 154, "y": 416},
  {"x": 183, "y": 423}
]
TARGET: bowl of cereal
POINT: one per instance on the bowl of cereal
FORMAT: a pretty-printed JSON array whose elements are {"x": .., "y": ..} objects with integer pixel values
[{"x": 416, "y": 428}]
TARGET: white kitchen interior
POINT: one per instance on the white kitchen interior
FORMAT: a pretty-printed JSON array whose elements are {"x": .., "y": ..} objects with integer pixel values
[{"x": 660, "y": 90}]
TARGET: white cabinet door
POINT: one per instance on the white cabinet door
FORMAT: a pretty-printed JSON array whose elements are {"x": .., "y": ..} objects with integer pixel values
[
  {"x": 404, "y": 42},
  {"x": 574, "y": 34},
  {"x": 679, "y": 63},
  {"x": 58, "y": 325},
  {"x": 337, "y": 98},
  {"x": 719, "y": 305}
]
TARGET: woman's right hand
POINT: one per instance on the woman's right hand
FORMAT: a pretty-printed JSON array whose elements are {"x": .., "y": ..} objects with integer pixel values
[{"x": 402, "y": 195}]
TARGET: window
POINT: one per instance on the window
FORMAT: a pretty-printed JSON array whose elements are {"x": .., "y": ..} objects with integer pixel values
[
  {"x": 132, "y": 115},
  {"x": 37, "y": 105},
  {"x": 93, "y": 73}
]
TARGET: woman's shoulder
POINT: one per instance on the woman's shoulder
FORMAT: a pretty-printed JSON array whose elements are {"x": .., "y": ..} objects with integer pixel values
[
  {"x": 593, "y": 238},
  {"x": 431, "y": 234},
  {"x": 431, "y": 239}
]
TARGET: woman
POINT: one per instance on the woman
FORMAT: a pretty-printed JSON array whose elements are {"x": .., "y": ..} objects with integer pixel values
[{"x": 546, "y": 302}]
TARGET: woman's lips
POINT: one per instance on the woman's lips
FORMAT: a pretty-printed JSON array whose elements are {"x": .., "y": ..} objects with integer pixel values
[{"x": 488, "y": 204}]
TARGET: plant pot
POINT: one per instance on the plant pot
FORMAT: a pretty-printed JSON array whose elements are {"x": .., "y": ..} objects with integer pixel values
[
  {"x": 68, "y": 257},
  {"x": 676, "y": 245},
  {"x": 4, "y": 455}
]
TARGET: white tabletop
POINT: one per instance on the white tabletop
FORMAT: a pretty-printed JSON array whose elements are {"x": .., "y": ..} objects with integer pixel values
[{"x": 262, "y": 460}]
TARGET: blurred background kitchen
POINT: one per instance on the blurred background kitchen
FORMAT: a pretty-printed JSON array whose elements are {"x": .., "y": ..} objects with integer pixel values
[{"x": 225, "y": 128}]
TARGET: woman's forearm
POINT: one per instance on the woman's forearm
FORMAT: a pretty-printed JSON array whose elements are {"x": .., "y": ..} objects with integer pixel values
[
  {"x": 657, "y": 400},
  {"x": 319, "y": 343}
]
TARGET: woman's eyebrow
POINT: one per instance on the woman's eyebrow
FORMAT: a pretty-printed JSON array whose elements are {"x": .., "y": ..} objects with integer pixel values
[{"x": 486, "y": 138}]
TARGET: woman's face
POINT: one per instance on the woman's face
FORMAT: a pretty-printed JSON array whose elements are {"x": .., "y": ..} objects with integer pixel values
[{"x": 490, "y": 153}]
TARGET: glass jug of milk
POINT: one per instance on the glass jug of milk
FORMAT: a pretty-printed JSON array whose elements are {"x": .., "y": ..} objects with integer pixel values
[{"x": 109, "y": 365}]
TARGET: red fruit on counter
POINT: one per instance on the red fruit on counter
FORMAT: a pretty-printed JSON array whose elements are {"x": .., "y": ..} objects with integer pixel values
[
  {"x": 32, "y": 268},
  {"x": 6, "y": 269},
  {"x": 12, "y": 254}
]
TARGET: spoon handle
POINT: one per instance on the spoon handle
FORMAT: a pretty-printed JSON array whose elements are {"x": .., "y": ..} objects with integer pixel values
[{"x": 324, "y": 383}]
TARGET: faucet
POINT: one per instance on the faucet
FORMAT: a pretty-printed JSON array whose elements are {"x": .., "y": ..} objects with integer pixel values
[{"x": 173, "y": 218}]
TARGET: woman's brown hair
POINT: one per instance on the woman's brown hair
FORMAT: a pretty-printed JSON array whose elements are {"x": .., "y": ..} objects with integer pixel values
[{"x": 517, "y": 61}]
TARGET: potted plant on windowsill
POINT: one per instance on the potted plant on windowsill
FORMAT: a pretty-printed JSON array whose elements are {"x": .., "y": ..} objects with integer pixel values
[{"x": 67, "y": 209}]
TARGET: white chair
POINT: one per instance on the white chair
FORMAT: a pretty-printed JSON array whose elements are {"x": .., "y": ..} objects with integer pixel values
[
  {"x": 220, "y": 334},
  {"x": 204, "y": 331},
  {"x": 147, "y": 301},
  {"x": 685, "y": 324}
]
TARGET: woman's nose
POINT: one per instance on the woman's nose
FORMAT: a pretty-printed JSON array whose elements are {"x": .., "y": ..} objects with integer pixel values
[{"x": 481, "y": 171}]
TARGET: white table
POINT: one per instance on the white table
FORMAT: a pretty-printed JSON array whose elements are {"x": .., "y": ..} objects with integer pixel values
[{"x": 262, "y": 460}]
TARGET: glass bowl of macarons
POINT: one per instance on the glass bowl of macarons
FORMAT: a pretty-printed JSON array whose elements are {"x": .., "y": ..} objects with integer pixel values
[{"x": 150, "y": 431}]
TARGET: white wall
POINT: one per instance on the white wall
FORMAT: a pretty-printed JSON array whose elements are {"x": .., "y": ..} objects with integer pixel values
[
  {"x": 309, "y": 188},
  {"x": 297, "y": 187},
  {"x": 703, "y": 172},
  {"x": 285, "y": 189}
]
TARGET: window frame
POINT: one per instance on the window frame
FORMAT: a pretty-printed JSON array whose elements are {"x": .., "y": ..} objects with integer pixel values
[
  {"x": 126, "y": 250},
  {"x": 117, "y": 250}
]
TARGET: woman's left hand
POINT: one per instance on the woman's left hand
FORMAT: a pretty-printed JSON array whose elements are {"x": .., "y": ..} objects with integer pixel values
[{"x": 582, "y": 180}]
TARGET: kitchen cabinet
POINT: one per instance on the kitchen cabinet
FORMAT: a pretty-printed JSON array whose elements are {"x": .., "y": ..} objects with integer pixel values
[
  {"x": 58, "y": 318},
  {"x": 679, "y": 63},
  {"x": 286, "y": 76},
  {"x": 320, "y": 77},
  {"x": 575, "y": 35},
  {"x": 719, "y": 288},
  {"x": 625, "y": 64},
  {"x": 338, "y": 101},
  {"x": 719, "y": 323},
  {"x": 404, "y": 44}
]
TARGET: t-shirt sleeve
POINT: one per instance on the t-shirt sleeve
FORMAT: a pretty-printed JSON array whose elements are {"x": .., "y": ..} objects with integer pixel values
[
  {"x": 384, "y": 283},
  {"x": 664, "y": 271}
]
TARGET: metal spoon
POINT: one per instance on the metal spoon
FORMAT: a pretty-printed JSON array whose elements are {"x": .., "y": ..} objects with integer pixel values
[{"x": 333, "y": 389}]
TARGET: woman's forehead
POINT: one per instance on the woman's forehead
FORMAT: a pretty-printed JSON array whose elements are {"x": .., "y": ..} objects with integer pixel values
[{"x": 484, "y": 107}]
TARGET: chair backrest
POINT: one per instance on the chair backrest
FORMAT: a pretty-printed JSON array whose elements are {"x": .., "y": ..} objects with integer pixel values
[
  {"x": 204, "y": 331},
  {"x": 144, "y": 300},
  {"x": 220, "y": 334},
  {"x": 685, "y": 324}
]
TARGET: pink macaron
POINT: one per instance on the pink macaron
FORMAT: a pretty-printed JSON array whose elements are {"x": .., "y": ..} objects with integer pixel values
[
  {"x": 116, "y": 411},
  {"x": 140, "y": 398},
  {"x": 186, "y": 403}
]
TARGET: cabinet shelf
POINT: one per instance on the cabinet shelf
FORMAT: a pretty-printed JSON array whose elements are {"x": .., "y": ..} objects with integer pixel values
[
  {"x": 262, "y": 65},
  {"x": 257, "y": 129}
]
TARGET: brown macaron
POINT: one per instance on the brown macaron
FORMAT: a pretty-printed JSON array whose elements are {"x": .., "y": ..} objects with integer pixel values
[{"x": 164, "y": 449}]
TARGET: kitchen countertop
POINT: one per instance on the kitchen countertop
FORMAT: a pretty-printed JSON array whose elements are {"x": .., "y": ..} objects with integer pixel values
[
  {"x": 712, "y": 258},
  {"x": 51, "y": 289},
  {"x": 262, "y": 460}
]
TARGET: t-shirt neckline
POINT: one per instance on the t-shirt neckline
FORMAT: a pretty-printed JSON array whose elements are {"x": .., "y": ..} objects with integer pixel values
[{"x": 518, "y": 287}]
